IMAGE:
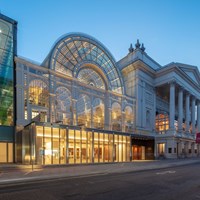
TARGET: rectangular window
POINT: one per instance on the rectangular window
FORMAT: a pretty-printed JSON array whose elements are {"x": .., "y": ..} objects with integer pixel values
[
  {"x": 161, "y": 148},
  {"x": 169, "y": 150},
  {"x": 6, "y": 152},
  {"x": 3, "y": 152},
  {"x": 174, "y": 150}
]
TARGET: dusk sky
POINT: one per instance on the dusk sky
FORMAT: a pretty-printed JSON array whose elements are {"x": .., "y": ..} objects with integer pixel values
[{"x": 170, "y": 30}]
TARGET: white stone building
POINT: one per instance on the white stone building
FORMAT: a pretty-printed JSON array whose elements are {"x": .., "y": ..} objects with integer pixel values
[
  {"x": 80, "y": 105},
  {"x": 80, "y": 86}
]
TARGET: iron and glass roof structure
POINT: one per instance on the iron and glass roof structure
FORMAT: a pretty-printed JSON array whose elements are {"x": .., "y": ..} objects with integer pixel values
[{"x": 75, "y": 51}]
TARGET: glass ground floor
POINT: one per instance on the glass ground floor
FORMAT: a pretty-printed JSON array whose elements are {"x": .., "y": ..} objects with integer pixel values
[
  {"x": 6, "y": 152},
  {"x": 49, "y": 144}
]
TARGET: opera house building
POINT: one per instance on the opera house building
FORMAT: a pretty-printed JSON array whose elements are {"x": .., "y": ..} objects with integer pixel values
[{"x": 80, "y": 105}]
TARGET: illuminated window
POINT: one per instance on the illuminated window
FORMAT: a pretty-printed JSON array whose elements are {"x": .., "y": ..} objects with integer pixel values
[
  {"x": 38, "y": 93},
  {"x": 162, "y": 123},
  {"x": 116, "y": 117},
  {"x": 63, "y": 105},
  {"x": 161, "y": 148},
  {"x": 91, "y": 77},
  {"x": 98, "y": 113},
  {"x": 83, "y": 108},
  {"x": 128, "y": 119}
]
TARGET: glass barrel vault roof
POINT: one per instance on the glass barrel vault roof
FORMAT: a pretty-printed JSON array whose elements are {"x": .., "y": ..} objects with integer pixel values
[{"x": 75, "y": 49}]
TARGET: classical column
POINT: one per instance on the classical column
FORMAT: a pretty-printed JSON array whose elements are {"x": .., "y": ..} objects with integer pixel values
[
  {"x": 180, "y": 109},
  {"x": 187, "y": 114},
  {"x": 198, "y": 116},
  {"x": 193, "y": 115},
  {"x": 172, "y": 105}
]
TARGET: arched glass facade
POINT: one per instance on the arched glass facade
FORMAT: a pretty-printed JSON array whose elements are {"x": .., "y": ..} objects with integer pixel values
[
  {"x": 79, "y": 95},
  {"x": 72, "y": 51}
]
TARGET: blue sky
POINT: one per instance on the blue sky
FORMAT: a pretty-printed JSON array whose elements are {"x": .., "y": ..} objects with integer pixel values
[{"x": 169, "y": 29}]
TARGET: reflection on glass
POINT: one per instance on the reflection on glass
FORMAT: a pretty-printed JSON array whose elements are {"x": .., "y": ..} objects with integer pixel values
[
  {"x": 6, "y": 73},
  {"x": 55, "y": 150}
]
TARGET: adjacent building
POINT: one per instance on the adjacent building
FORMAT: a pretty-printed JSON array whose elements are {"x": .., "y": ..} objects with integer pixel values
[
  {"x": 8, "y": 50},
  {"x": 80, "y": 105}
]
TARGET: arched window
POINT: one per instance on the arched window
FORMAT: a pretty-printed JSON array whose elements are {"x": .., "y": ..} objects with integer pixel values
[
  {"x": 38, "y": 93},
  {"x": 116, "y": 117},
  {"x": 91, "y": 77},
  {"x": 83, "y": 110},
  {"x": 162, "y": 123},
  {"x": 128, "y": 119},
  {"x": 63, "y": 105},
  {"x": 98, "y": 113},
  {"x": 70, "y": 51}
]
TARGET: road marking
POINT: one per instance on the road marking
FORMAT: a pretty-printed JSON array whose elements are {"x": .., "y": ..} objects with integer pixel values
[{"x": 166, "y": 172}]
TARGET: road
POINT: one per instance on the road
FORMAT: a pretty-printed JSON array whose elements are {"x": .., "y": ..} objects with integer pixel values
[{"x": 180, "y": 183}]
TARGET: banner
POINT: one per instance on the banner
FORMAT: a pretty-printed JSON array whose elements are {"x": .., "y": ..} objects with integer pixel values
[{"x": 198, "y": 138}]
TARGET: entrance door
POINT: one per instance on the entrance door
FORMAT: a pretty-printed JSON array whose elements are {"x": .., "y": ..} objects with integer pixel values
[{"x": 138, "y": 152}]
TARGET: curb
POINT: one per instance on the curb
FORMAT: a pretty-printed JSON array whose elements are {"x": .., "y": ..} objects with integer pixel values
[{"x": 29, "y": 180}]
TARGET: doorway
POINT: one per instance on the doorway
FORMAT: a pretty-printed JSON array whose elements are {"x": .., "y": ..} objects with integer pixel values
[{"x": 138, "y": 152}]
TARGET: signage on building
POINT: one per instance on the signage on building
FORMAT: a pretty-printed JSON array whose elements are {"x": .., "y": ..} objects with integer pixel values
[{"x": 198, "y": 138}]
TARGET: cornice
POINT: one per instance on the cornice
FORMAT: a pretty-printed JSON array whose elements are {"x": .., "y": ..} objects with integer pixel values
[
  {"x": 139, "y": 64},
  {"x": 179, "y": 72},
  {"x": 30, "y": 64}
]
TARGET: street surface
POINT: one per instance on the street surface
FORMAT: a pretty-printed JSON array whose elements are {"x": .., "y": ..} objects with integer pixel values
[{"x": 178, "y": 183}]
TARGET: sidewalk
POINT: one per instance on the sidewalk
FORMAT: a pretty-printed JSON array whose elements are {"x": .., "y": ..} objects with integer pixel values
[{"x": 10, "y": 174}]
